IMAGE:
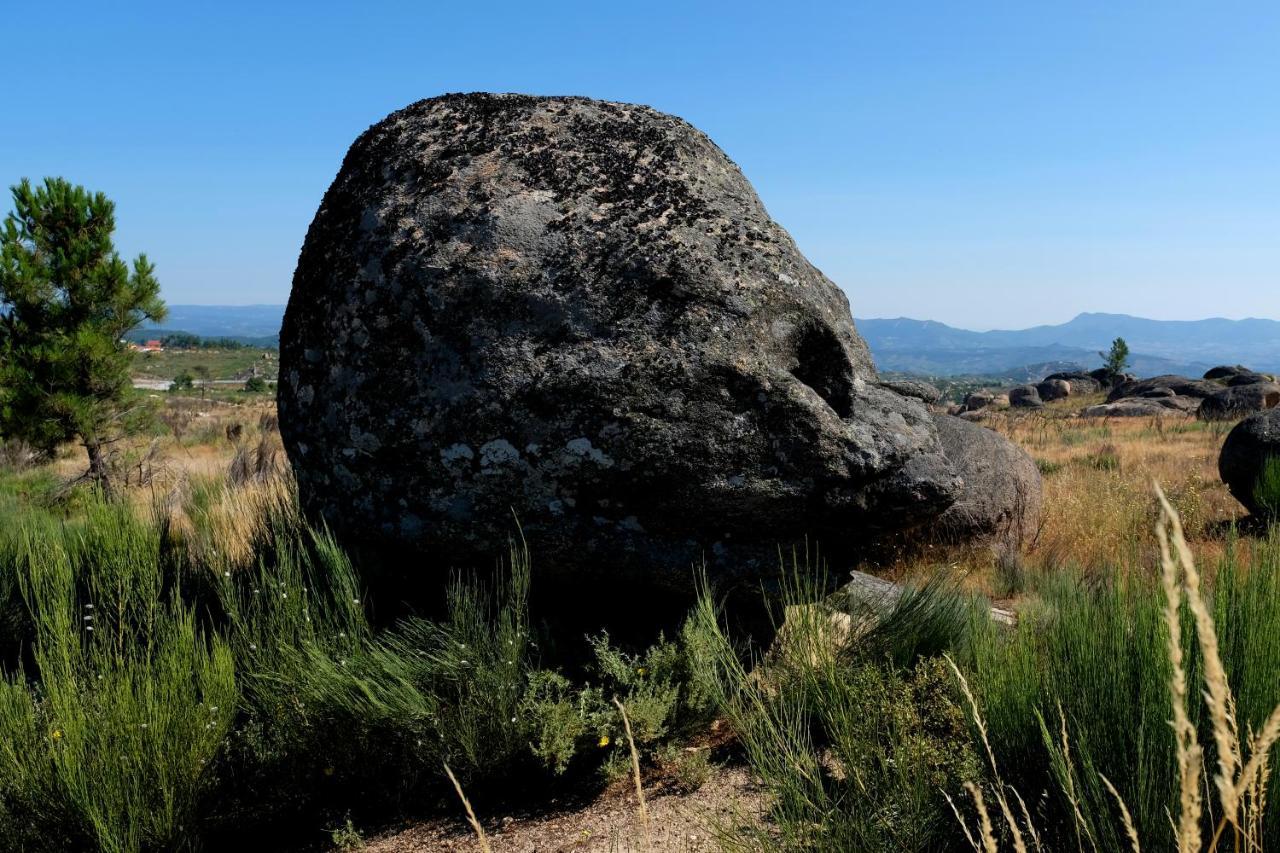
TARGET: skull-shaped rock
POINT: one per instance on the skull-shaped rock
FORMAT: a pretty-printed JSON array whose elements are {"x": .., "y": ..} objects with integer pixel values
[{"x": 578, "y": 316}]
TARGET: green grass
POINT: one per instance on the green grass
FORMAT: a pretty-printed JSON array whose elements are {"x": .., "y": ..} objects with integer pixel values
[
  {"x": 221, "y": 364},
  {"x": 157, "y": 691},
  {"x": 160, "y": 691},
  {"x": 1266, "y": 492}
]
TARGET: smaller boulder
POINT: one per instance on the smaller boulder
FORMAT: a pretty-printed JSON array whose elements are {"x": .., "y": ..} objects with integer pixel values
[
  {"x": 1000, "y": 401},
  {"x": 1244, "y": 457},
  {"x": 977, "y": 400},
  {"x": 1054, "y": 389},
  {"x": 1001, "y": 490},
  {"x": 1226, "y": 371},
  {"x": 1157, "y": 393},
  {"x": 1025, "y": 397},
  {"x": 1248, "y": 378},
  {"x": 1239, "y": 401}
]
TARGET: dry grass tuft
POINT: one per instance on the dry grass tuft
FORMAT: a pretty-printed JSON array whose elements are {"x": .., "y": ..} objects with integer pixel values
[
  {"x": 481, "y": 838},
  {"x": 635, "y": 772}
]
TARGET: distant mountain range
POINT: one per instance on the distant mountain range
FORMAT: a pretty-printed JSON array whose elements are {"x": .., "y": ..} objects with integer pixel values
[
  {"x": 930, "y": 348},
  {"x": 254, "y": 324},
  {"x": 1187, "y": 347}
]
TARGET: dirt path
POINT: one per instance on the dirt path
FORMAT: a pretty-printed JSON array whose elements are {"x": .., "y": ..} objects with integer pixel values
[{"x": 678, "y": 822}]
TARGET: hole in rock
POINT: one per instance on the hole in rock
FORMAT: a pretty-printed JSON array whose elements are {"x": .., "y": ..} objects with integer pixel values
[{"x": 823, "y": 366}]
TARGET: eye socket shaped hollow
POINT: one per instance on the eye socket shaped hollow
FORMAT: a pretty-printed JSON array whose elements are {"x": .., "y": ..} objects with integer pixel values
[{"x": 822, "y": 364}]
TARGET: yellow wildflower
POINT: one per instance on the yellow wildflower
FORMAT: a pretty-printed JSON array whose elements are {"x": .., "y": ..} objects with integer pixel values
[
  {"x": 604, "y": 740},
  {"x": 56, "y": 734}
]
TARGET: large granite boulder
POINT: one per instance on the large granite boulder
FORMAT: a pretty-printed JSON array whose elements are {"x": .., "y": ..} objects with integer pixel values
[
  {"x": 1238, "y": 401},
  {"x": 579, "y": 316},
  {"x": 1179, "y": 385},
  {"x": 1000, "y": 498},
  {"x": 1245, "y": 456}
]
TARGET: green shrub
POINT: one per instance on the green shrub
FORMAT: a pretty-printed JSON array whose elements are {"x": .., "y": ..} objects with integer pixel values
[
  {"x": 1048, "y": 467},
  {"x": 108, "y": 741},
  {"x": 856, "y": 745}
]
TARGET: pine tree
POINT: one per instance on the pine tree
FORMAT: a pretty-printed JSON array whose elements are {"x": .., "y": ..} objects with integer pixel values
[
  {"x": 66, "y": 302},
  {"x": 1117, "y": 359}
]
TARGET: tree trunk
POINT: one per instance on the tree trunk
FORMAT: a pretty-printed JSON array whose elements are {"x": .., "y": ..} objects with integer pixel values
[{"x": 98, "y": 472}]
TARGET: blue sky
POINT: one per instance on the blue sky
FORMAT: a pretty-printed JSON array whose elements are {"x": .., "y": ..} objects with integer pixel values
[{"x": 983, "y": 164}]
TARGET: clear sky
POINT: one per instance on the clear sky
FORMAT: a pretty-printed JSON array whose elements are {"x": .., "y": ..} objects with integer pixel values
[{"x": 983, "y": 164}]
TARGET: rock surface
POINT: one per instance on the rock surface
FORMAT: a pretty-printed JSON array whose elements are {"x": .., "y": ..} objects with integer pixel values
[
  {"x": 1054, "y": 389},
  {"x": 1226, "y": 371},
  {"x": 978, "y": 400},
  {"x": 1179, "y": 385},
  {"x": 1081, "y": 382},
  {"x": 1238, "y": 401},
  {"x": 916, "y": 388},
  {"x": 1248, "y": 378},
  {"x": 1244, "y": 455},
  {"x": 1001, "y": 495},
  {"x": 1025, "y": 397},
  {"x": 1142, "y": 407},
  {"x": 578, "y": 314}
]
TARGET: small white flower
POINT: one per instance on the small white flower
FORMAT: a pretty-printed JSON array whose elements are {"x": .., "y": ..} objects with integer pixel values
[{"x": 88, "y": 607}]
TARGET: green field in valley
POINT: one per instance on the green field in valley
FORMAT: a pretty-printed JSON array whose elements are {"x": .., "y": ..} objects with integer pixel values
[{"x": 222, "y": 364}]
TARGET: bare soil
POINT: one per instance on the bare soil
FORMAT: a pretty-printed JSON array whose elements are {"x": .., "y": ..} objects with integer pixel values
[{"x": 687, "y": 822}]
